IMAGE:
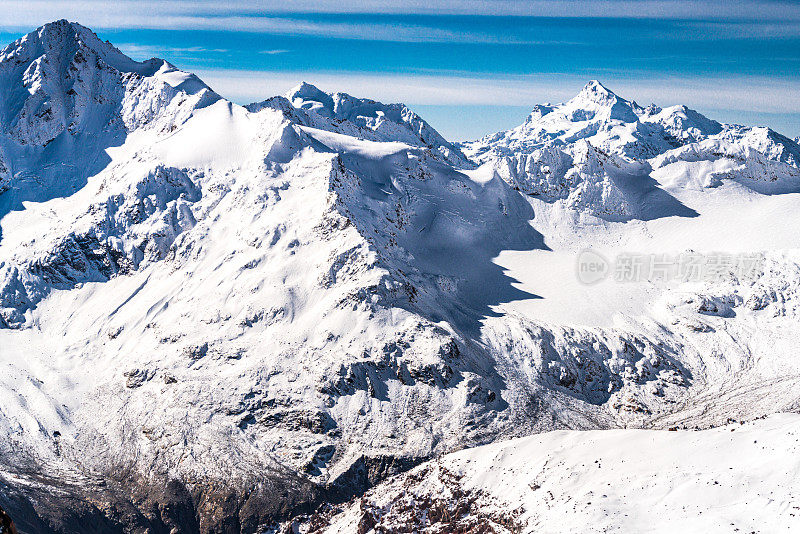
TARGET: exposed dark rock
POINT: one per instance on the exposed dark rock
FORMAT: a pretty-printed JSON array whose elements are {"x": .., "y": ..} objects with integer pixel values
[
  {"x": 6, "y": 524},
  {"x": 158, "y": 506}
]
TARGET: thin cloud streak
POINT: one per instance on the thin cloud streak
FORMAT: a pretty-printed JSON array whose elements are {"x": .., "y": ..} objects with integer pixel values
[
  {"x": 767, "y": 19},
  {"x": 137, "y": 51},
  {"x": 362, "y": 31},
  {"x": 21, "y": 11}
]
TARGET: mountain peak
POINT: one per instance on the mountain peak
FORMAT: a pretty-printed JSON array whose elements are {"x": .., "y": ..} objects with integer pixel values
[
  {"x": 595, "y": 101},
  {"x": 364, "y": 117},
  {"x": 596, "y": 92},
  {"x": 595, "y": 85},
  {"x": 310, "y": 97},
  {"x": 62, "y": 34},
  {"x": 304, "y": 89},
  {"x": 59, "y": 41},
  {"x": 62, "y": 78},
  {"x": 60, "y": 25}
]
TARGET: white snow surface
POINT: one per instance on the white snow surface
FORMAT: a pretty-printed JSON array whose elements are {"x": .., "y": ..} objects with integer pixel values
[
  {"x": 195, "y": 289},
  {"x": 735, "y": 478}
]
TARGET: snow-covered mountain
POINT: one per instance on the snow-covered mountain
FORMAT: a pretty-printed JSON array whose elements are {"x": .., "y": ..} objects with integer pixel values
[
  {"x": 596, "y": 152},
  {"x": 67, "y": 96},
  {"x": 623, "y": 128},
  {"x": 361, "y": 117},
  {"x": 217, "y": 317}
]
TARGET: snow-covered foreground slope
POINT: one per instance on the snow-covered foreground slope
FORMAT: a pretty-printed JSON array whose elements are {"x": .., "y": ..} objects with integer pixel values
[
  {"x": 735, "y": 478},
  {"x": 214, "y": 317}
]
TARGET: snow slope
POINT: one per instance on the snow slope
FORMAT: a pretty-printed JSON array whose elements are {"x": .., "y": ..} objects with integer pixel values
[
  {"x": 735, "y": 478},
  {"x": 304, "y": 296}
]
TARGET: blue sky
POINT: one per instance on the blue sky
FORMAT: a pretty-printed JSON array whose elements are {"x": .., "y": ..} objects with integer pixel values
[{"x": 470, "y": 67}]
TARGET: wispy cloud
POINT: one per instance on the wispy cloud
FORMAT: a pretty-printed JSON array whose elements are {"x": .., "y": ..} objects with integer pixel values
[
  {"x": 675, "y": 9},
  {"x": 139, "y": 51},
  {"x": 274, "y": 16},
  {"x": 714, "y": 30},
  {"x": 697, "y": 20},
  {"x": 395, "y": 31}
]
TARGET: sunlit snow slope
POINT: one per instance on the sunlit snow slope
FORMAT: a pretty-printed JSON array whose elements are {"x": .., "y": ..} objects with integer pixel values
[{"x": 736, "y": 478}]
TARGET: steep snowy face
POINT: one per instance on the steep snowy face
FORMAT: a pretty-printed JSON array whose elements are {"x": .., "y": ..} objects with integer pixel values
[
  {"x": 127, "y": 218},
  {"x": 682, "y": 123},
  {"x": 70, "y": 98},
  {"x": 361, "y": 117},
  {"x": 67, "y": 96},
  {"x": 765, "y": 140},
  {"x": 736, "y": 157},
  {"x": 5, "y": 175},
  {"x": 546, "y": 156},
  {"x": 583, "y": 178},
  {"x": 62, "y": 78}
]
